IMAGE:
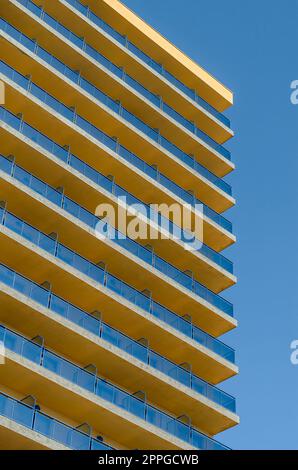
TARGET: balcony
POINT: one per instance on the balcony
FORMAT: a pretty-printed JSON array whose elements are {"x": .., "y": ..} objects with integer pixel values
[
  {"x": 43, "y": 425},
  {"x": 124, "y": 416},
  {"x": 211, "y": 262},
  {"x": 57, "y": 163},
  {"x": 131, "y": 55},
  {"x": 77, "y": 224},
  {"x": 20, "y": 297},
  {"x": 192, "y": 111},
  {"x": 213, "y": 190},
  {"x": 212, "y": 155},
  {"x": 209, "y": 310}
]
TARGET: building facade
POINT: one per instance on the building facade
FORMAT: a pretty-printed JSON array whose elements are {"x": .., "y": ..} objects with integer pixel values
[{"x": 110, "y": 312}]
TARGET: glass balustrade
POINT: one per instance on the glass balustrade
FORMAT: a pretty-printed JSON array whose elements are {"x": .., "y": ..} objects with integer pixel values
[
  {"x": 55, "y": 363},
  {"x": 109, "y": 334},
  {"x": 105, "y": 390},
  {"x": 119, "y": 72},
  {"x": 63, "y": 154},
  {"x": 106, "y": 231},
  {"x": 124, "y": 41},
  {"x": 32, "y": 418}
]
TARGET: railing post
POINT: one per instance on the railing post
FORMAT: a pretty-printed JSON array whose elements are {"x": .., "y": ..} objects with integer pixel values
[
  {"x": 158, "y": 136},
  {"x": 42, "y": 13},
  {"x": 20, "y": 116},
  {"x": 100, "y": 328},
  {"x": 54, "y": 236},
  {"x": 148, "y": 293},
  {"x": 145, "y": 342},
  {"x": 3, "y": 216},
  {"x": 3, "y": 205},
  {"x": 112, "y": 179},
  {"x": 42, "y": 355},
  {"x": 98, "y": 315},
  {"x": 193, "y": 159},
  {"x": 160, "y": 102},
  {"x": 4, "y": 333},
  {"x": 150, "y": 248}
]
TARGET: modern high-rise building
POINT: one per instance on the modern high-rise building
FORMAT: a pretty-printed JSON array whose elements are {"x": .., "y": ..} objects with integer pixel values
[{"x": 111, "y": 340}]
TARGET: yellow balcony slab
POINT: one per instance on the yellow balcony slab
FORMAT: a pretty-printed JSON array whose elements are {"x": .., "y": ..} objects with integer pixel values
[
  {"x": 206, "y": 271},
  {"x": 140, "y": 71},
  {"x": 128, "y": 372},
  {"x": 83, "y": 406},
  {"x": 49, "y": 218},
  {"x": 97, "y": 74}
]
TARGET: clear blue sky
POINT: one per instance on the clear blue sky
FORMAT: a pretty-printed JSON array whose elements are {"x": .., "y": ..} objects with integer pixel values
[{"x": 252, "y": 48}]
